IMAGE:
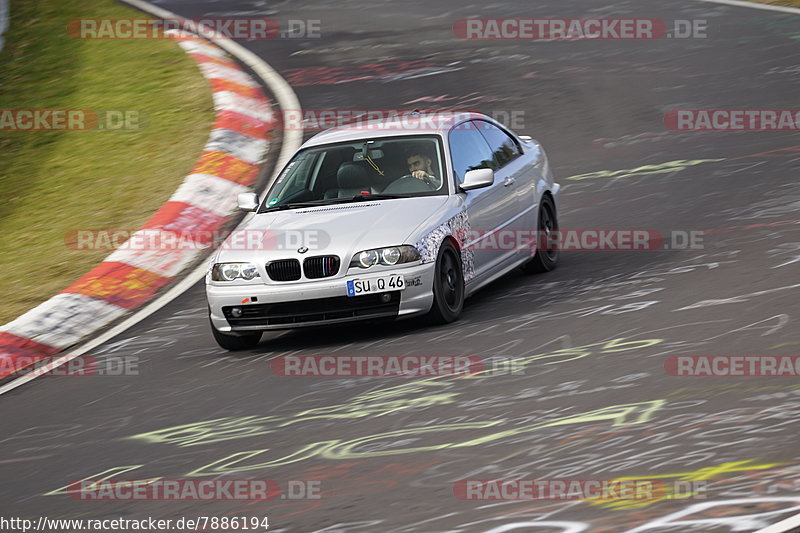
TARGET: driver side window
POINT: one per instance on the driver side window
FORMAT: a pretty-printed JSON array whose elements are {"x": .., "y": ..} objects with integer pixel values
[{"x": 468, "y": 150}]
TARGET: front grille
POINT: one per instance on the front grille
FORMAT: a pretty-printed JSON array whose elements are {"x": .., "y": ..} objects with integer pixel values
[
  {"x": 323, "y": 266},
  {"x": 319, "y": 310},
  {"x": 284, "y": 270}
]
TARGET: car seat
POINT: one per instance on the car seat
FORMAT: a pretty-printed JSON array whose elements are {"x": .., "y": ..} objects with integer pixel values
[{"x": 353, "y": 179}]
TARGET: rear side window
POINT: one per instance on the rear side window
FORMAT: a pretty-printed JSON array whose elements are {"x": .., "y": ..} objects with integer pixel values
[
  {"x": 504, "y": 148},
  {"x": 469, "y": 150}
]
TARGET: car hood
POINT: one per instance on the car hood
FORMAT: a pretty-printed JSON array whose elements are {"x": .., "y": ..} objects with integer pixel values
[{"x": 342, "y": 229}]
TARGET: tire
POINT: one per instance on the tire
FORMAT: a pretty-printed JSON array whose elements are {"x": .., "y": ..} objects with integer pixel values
[
  {"x": 544, "y": 260},
  {"x": 234, "y": 343},
  {"x": 448, "y": 286}
]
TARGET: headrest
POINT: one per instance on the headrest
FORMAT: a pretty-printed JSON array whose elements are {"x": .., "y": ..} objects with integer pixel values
[{"x": 352, "y": 176}]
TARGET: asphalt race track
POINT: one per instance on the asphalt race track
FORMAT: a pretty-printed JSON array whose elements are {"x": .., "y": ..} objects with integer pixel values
[{"x": 589, "y": 398}]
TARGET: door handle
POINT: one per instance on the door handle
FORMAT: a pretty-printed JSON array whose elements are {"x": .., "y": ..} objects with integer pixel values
[{"x": 508, "y": 181}]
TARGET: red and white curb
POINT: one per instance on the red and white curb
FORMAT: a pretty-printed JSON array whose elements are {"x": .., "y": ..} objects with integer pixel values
[{"x": 204, "y": 203}]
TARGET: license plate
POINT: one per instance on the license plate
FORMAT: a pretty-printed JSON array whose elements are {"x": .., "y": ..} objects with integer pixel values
[{"x": 392, "y": 282}]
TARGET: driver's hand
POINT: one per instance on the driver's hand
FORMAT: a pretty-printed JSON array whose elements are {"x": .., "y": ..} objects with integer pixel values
[{"x": 420, "y": 174}]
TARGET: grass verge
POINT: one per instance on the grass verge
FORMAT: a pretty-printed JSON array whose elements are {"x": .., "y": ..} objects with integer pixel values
[{"x": 53, "y": 182}]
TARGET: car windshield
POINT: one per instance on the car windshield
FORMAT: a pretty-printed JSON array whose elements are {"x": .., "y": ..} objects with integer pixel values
[{"x": 368, "y": 169}]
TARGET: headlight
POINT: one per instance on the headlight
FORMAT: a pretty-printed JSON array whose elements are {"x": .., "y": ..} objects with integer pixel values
[
  {"x": 231, "y": 271},
  {"x": 249, "y": 271},
  {"x": 392, "y": 255},
  {"x": 367, "y": 258}
]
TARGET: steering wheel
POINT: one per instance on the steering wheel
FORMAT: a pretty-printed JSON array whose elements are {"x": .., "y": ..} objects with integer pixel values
[{"x": 402, "y": 180}]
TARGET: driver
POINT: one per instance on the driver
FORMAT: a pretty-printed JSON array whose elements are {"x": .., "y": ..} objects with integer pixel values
[{"x": 419, "y": 166}]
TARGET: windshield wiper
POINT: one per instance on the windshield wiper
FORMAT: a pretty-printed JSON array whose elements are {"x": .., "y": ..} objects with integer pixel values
[
  {"x": 293, "y": 205},
  {"x": 330, "y": 201}
]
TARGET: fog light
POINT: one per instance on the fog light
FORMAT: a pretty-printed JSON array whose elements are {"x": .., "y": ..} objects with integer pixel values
[
  {"x": 236, "y": 312},
  {"x": 386, "y": 297}
]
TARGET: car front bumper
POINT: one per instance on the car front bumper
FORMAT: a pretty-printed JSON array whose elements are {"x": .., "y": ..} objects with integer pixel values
[{"x": 318, "y": 302}]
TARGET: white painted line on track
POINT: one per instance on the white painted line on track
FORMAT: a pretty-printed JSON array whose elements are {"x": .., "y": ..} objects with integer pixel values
[
  {"x": 292, "y": 140},
  {"x": 784, "y": 526},
  {"x": 755, "y": 5}
]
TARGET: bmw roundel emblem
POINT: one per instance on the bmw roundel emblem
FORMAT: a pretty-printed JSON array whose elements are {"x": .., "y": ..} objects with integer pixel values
[{"x": 302, "y": 250}]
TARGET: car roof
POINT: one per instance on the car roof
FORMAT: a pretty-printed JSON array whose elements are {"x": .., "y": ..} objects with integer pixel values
[{"x": 438, "y": 123}]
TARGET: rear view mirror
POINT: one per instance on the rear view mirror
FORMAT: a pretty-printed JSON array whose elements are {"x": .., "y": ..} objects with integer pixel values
[
  {"x": 375, "y": 153},
  {"x": 248, "y": 201},
  {"x": 478, "y": 178}
]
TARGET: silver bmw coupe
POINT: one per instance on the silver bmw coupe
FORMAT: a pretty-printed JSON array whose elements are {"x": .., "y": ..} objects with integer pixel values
[{"x": 387, "y": 219}]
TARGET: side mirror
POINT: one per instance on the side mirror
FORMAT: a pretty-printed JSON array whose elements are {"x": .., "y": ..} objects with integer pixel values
[
  {"x": 478, "y": 178},
  {"x": 248, "y": 201},
  {"x": 526, "y": 138}
]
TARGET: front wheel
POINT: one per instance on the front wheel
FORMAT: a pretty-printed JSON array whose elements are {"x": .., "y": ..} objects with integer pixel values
[
  {"x": 448, "y": 286},
  {"x": 546, "y": 257},
  {"x": 234, "y": 343}
]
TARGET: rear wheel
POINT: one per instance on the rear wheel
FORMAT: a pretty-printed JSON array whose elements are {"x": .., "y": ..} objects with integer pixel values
[
  {"x": 233, "y": 343},
  {"x": 546, "y": 257},
  {"x": 448, "y": 286}
]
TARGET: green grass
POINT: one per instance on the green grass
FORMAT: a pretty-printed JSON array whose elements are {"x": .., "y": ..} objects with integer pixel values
[{"x": 56, "y": 181}]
